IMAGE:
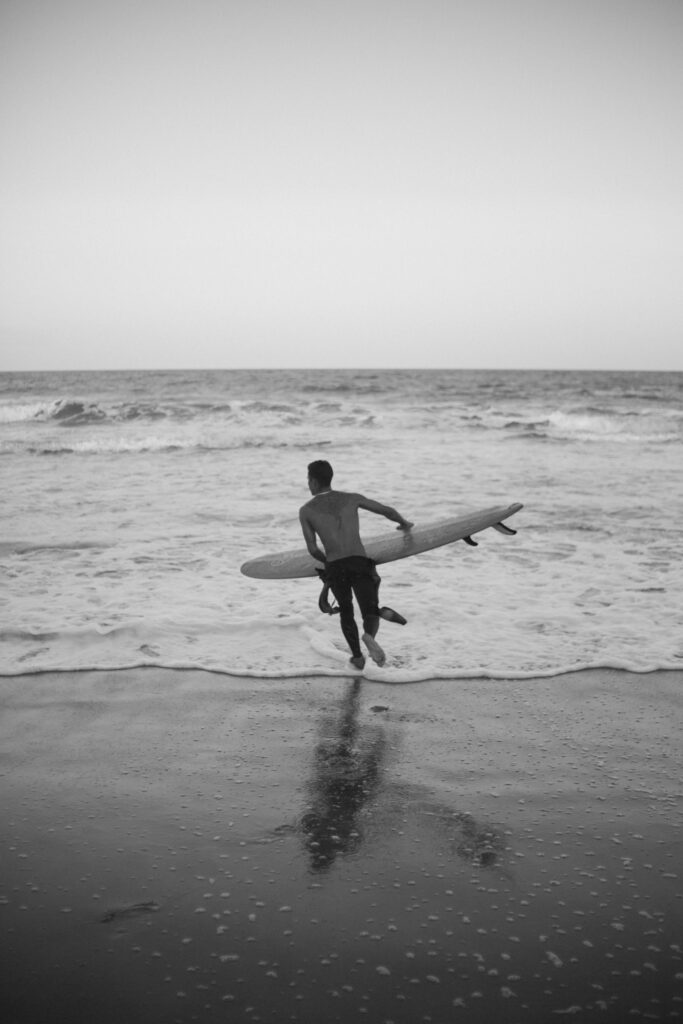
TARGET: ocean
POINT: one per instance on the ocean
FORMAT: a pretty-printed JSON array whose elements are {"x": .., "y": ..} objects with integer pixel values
[{"x": 130, "y": 500}]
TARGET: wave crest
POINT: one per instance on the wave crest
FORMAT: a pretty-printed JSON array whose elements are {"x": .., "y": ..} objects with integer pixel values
[{"x": 590, "y": 424}]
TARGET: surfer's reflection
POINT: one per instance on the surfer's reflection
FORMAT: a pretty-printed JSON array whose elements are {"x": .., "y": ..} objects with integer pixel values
[
  {"x": 347, "y": 770},
  {"x": 347, "y": 777}
]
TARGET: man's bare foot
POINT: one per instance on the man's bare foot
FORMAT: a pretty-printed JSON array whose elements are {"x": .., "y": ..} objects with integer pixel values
[
  {"x": 374, "y": 649},
  {"x": 358, "y": 662}
]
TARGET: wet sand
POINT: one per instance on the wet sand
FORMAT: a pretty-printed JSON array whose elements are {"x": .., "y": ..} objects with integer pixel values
[{"x": 180, "y": 846}]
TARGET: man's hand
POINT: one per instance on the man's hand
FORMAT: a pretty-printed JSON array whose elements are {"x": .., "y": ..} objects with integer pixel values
[{"x": 405, "y": 526}]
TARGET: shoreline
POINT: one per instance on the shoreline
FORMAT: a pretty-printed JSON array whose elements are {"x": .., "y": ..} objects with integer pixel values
[
  {"x": 388, "y": 675},
  {"x": 319, "y": 847}
]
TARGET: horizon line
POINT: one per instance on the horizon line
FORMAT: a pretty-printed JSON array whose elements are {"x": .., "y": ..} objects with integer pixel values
[{"x": 344, "y": 369}]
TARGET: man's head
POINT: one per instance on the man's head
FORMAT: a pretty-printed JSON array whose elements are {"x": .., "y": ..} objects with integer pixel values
[{"x": 319, "y": 475}]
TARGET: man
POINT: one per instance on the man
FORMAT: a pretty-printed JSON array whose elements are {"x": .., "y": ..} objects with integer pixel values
[{"x": 332, "y": 516}]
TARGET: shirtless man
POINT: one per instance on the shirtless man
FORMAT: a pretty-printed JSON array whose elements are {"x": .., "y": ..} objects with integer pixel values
[{"x": 332, "y": 516}]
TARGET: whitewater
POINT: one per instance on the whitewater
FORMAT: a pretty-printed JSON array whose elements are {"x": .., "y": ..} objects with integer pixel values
[{"x": 130, "y": 500}]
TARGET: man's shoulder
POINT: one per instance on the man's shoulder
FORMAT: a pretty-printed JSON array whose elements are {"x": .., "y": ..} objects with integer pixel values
[
  {"x": 336, "y": 498},
  {"x": 312, "y": 503},
  {"x": 341, "y": 499}
]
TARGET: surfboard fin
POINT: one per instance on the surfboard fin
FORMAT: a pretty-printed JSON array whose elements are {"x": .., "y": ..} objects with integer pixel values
[
  {"x": 391, "y": 616},
  {"x": 472, "y": 543},
  {"x": 504, "y": 529}
]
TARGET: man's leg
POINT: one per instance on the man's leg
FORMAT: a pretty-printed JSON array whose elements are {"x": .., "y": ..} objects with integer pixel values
[
  {"x": 341, "y": 588},
  {"x": 366, "y": 589}
]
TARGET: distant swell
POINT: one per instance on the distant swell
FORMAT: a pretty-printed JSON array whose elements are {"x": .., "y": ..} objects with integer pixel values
[
  {"x": 28, "y": 547},
  {"x": 159, "y": 445},
  {"x": 73, "y": 412}
]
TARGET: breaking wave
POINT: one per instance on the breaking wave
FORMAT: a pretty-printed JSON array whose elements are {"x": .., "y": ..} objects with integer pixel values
[{"x": 590, "y": 425}]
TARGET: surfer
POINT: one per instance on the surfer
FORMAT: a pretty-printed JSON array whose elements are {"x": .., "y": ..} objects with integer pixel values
[{"x": 332, "y": 518}]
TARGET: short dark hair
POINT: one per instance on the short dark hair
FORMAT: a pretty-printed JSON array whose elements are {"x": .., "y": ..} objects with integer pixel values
[{"x": 321, "y": 471}]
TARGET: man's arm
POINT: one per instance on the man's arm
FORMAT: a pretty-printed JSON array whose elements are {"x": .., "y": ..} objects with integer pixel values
[
  {"x": 384, "y": 510},
  {"x": 310, "y": 538}
]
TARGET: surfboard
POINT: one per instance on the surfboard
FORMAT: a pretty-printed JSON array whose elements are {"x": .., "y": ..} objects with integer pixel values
[{"x": 388, "y": 547}]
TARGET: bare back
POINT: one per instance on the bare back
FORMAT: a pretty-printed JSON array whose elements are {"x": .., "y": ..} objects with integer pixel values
[{"x": 333, "y": 516}]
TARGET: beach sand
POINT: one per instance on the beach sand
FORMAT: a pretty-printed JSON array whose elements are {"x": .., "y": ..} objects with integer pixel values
[{"x": 181, "y": 846}]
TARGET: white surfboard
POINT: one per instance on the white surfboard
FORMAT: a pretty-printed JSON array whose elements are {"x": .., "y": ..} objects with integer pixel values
[{"x": 388, "y": 547}]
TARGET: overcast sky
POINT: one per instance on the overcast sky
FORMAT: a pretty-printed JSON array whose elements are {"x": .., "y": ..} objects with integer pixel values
[{"x": 475, "y": 183}]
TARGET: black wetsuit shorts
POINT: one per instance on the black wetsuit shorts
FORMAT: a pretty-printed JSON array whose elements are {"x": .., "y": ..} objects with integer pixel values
[{"x": 349, "y": 577}]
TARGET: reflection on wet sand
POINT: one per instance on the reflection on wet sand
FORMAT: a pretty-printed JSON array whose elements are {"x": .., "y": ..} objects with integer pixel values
[
  {"x": 347, "y": 771},
  {"x": 348, "y": 775}
]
